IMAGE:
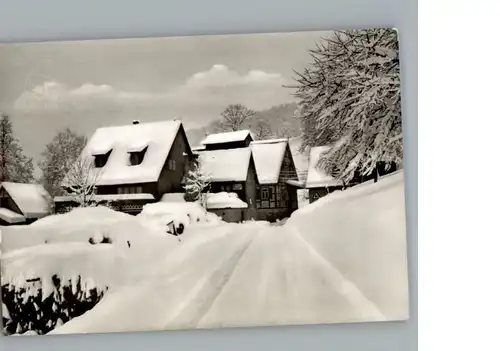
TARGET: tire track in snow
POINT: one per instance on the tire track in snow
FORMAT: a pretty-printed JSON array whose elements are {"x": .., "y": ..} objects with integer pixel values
[
  {"x": 201, "y": 297},
  {"x": 367, "y": 308}
]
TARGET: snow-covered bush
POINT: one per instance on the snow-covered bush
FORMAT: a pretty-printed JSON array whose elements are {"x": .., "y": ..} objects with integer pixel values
[
  {"x": 225, "y": 200},
  {"x": 185, "y": 213},
  {"x": 45, "y": 285}
]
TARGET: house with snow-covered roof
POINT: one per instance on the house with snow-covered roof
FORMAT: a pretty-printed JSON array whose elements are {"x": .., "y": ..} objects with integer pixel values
[
  {"x": 227, "y": 140},
  {"x": 318, "y": 182},
  {"x": 257, "y": 171},
  {"x": 22, "y": 203},
  {"x": 137, "y": 163}
]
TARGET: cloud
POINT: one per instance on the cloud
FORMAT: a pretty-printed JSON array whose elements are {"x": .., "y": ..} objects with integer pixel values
[
  {"x": 214, "y": 86},
  {"x": 220, "y": 75}
]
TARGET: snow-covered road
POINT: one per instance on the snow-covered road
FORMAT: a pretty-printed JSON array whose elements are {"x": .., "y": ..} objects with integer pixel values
[{"x": 247, "y": 274}]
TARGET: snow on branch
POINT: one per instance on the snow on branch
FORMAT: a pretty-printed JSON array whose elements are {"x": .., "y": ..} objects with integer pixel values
[
  {"x": 82, "y": 179},
  {"x": 352, "y": 88}
]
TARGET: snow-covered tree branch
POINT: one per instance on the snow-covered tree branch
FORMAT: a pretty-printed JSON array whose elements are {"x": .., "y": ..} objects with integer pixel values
[
  {"x": 58, "y": 158},
  {"x": 350, "y": 98},
  {"x": 81, "y": 181},
  {"x": 197, "y": 183}
]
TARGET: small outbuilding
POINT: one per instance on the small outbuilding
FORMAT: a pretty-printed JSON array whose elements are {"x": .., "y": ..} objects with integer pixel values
[
  {"x": 318, "y": 182},
  {"x": 22, "y": 203}
]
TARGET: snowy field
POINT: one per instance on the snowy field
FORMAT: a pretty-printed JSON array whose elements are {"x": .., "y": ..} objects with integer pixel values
[{"x": 341, "y": 259}]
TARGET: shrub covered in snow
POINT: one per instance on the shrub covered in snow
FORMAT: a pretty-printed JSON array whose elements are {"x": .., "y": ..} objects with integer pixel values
[
  {"x": 181, "y": 213},
  {"x": 47, "y": 283}
]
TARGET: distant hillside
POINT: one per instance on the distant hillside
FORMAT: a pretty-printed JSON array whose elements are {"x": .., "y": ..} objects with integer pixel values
[{"x": 279, "y": 119}]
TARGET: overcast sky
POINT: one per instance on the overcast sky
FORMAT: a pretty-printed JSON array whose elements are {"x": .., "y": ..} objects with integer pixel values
[{"x": 83, "y": 85}]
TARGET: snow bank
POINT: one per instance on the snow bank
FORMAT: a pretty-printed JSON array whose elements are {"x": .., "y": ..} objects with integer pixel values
[
  {"x": 361, "y": 231},
  {"x": 173, "y": 197},
  {"x": 84, "y": 215},
  {"x": 81, "y": 225},
  {"x": 186, "y": 213},
  {"x": 11, "y": 216},
  {"x": 96, "y": 265},
  {"x": 224, "y": 200}
]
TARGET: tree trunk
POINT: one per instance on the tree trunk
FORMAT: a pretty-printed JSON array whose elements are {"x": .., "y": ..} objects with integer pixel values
[{"x": 375, "y": 174}]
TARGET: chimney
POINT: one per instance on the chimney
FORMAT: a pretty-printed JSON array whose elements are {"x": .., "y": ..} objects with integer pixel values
[{"x": 135, "y": 121}]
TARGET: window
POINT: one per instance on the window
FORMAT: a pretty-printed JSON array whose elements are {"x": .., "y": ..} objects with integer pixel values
[
  {"x": 137, "y": 157},
  {"x": 171, "y": 165},
  {"x": 130, "y": 190},
  {"x": 100, "y": 160},
  {"x": 264, "y": 194}
]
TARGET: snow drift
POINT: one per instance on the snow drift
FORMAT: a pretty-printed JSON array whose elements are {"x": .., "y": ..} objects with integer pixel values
[{"x": 362, "y": 232}]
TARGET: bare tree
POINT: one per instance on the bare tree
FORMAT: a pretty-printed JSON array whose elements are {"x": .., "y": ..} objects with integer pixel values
[
  {"x": 234, "y": 116},
  {"x": 262, "y": 130},
  {"x": 81, "y": 181}
]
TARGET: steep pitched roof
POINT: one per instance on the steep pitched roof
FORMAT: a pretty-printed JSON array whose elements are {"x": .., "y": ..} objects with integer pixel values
[
  {"x": 158, "y": 137},
  {"x": 315, "y": 176},
  {"x": 31, "y": 199},
  {"x": 268, "y": 157},
  {"x": 227, "y": 137},
  {"x": 226, "y": 165}
]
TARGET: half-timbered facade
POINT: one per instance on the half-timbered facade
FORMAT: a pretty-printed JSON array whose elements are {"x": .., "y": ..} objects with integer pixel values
[{"x": 257, "y": 171}]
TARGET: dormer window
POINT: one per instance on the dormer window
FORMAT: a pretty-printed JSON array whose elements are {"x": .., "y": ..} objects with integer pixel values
[
  {"x": 101, "y": 159},
  {"x": 136, "y": 157},
  {"x": 136, "y": 151}
]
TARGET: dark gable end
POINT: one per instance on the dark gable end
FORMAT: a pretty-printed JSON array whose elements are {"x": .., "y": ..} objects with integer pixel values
[
  {"x": 288, "y": 170},
  {"x": 8, "y": 202},
  {"x": 176, "y": 164}
]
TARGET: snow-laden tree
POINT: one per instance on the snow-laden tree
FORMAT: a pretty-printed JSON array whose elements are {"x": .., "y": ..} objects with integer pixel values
[
  {"x": 58, "y": 158},
  {"x": 197, "y": 183},
  {"x": 81, "y": 180},
  {"x": 14, "y": 165},
  {"x": 234, "y": 116},
  {"x": 349, "y": 98}
]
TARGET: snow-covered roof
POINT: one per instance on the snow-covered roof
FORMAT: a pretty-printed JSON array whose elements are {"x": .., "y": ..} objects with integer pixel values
[
  {"x": 138, "y": 145},
  {"x": 268, "y": 156},
  {"x": 316, "y": 177},
  {"x": 227, "y": 137},
  {"x": 226, "y": 165},
  {"x": 11, "y": 216},
  {"x": 108, "y": 197},
  {"x": 116, "y": 197},
  {"x": 32, "y": 199},
  {"x": 198, "y": 148},
  {"x": 157, "y": 136},
  {"x": 225, "y": 200}
]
